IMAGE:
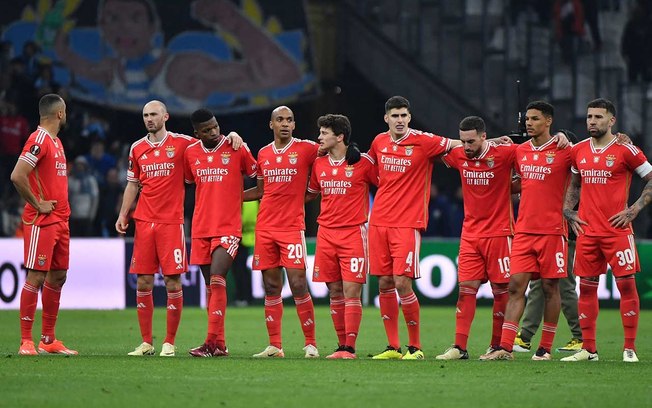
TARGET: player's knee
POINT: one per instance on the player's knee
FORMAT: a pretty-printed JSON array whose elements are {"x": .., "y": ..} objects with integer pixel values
[
  {"x": 516, "y": 288},
  {"x": 299, "y": 286}
]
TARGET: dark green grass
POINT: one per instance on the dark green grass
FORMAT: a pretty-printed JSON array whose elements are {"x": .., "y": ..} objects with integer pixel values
[{"x": 104, "y": 376}]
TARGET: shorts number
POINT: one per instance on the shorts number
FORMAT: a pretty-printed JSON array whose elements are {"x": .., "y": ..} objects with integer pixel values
[
  {"x": 503, "y": 263},
  {"x": 559, "y": 257},
  {"x": 357, "y": 264},
  {"x": 178, "y": 256},
  {"x": 625, "y": 257},
  {"x": 408, "y": 260},
  {"x": 296, "y": 251}
]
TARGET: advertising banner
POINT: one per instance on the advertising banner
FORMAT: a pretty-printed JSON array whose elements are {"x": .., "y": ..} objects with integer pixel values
[{"x": 95, "y": 278}]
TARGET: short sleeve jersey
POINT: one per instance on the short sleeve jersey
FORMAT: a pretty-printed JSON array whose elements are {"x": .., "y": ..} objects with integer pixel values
[
  {"x": 217, "y": 173},
  {"x": 606, "y": 175},
  {"x": 344, "y": 190},
  {"x": 49, "y": 179},
  {"x": 405, "y": 171},
  {"x": 545, "y": 174},
  {"x": 486, "y": 186},
  {"x": 285, "y": 174},
  {"x": 158, "y": 168}
]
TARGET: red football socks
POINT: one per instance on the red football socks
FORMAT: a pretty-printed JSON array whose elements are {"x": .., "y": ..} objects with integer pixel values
[
  {"x": 174, "y": 308},
  {"x": 352, "y": 318},
  {"x": 337, "y": 314},
  {"x": 508, "y": 335},
  {"x": 588, "y": 309},
  {"x": 145, "y": 310},
  {"x": 389, "y": 314},
  {"x": 28, "y": 301},
  {"x": 630, "y": 309},
  {"x": 410, "y": 306},
  {"x": 306, "y": 313},
  {"x": 465, "y": 312},
  {"x": 51, "y": 296},
  {"x": 273, "y": 319},
  {"x": 501, "y": 296},
  {"x": 217, "y": 311}
]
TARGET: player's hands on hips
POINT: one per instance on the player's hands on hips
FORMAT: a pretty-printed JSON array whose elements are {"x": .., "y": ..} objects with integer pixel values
[
  {"x": 623, "y": 218},
  {"x": 122, "y": 224},
  {"x": 46, "y": 206},
  {"x": 622, "y": 138},
  {"x": 234, "y": 140},
  {"x": 575, "y": 222},
  {"x": 562, "y": 140}
]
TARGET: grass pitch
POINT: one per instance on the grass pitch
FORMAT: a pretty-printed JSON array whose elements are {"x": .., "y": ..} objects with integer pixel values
[{"x": 104, "y": 376}]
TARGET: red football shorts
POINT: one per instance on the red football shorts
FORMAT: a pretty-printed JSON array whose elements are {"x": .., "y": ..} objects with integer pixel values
[
  {"x": 201, "y": 251},
  {"x": 279, "y": 248},
  {"x": 47, "y": 247},
  {"x": 484, "y": 259},
  {"x": 394, "y": 251},
  {"x": 592, "y": 254},
  {"x": 545, "y": 256},
  {"x": 159, "y": 246},
  {"x": 341, "y": 255}
]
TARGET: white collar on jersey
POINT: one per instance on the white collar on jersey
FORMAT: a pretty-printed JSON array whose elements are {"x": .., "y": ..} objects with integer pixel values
[
  {"x": 287, "y": 146},
  {"x": 160, "y": 142},
  {"x": 214, "y": 149},
  {"x": 598, "y": 150},
  {"x": 543, "y": 146}
]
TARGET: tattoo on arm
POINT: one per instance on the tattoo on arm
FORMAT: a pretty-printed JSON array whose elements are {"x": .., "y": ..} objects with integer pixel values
[
  {"x": 572, "y": 193},
  {"x": 646, "y": 196}
]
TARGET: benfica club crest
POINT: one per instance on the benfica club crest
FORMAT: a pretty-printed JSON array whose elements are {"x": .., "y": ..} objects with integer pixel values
[
  {"x": 315, "y": 273},
  {"x": 610, "y": 160},
  {"x": 550, "y": 157},
  {"x": 256, "y": 260},
  {"x": 293, "y": 156},
  {"x": 348, "y": 171},
  {"x": 226, "y": 158},
  {"x": 169, "y": 151},
  {"x": 490, "y": 161},
  {"x": 409, "y": 150},
  {"x": 41, "y": 260}
]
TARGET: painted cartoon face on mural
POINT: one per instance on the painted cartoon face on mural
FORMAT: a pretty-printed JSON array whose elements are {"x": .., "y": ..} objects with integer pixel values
[{"x": 115, "y": 53}]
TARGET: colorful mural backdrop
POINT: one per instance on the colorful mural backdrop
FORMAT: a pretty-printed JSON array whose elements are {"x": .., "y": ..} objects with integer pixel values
[{"x": 225, "y": 54}]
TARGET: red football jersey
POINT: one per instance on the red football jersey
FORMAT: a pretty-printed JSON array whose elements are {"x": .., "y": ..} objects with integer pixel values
[
  {"x": 344, "y": 190},
  {"x": 217, "y": 173},
  {"x": 158, "y": 167},
  {"x": 285, "y": 175},
  {"x": 405, "y": 170},
  {"x": 49, "y": 180},
  {"x": 606, "y": 175},
  {"x": 486, "y": 186},
  {"x": 545, "y": 174}
]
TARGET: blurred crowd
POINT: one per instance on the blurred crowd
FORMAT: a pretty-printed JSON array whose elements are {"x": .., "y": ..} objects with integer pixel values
[{"x": 97, "y": 162}]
